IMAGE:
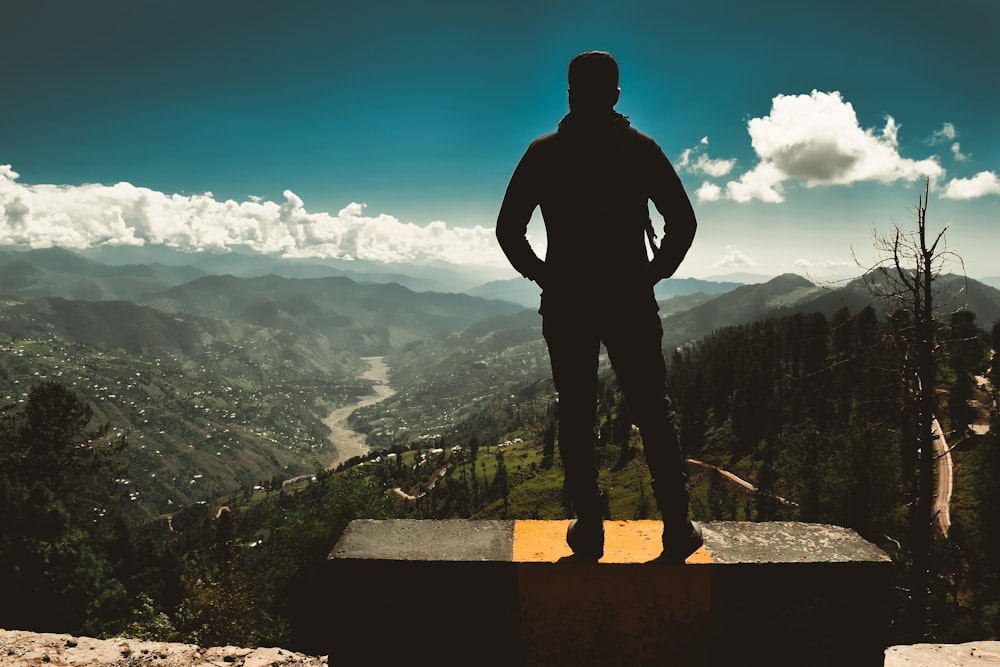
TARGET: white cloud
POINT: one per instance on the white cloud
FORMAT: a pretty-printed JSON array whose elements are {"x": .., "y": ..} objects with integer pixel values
[
  {"x": 982, "y": 184},
  {"x": 816, "y": 139},
  {"x": 708, "y": 192},
  {"x": 80, "y": 216},
  {"x": 702, "y": 164},
  {"x": 734, "y": 260},
  {"x": 718, "y": 167},
  {"x": 836, "y": 263},
  {"x": 945, "y": 134},
  {"x": 684, "y": 161},
  {"x": 763, "y": 182},
  {"x": 948, "y": 134}
]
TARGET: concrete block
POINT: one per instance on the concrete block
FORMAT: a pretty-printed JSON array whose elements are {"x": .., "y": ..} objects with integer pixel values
[{"x": 511, "y": 593}]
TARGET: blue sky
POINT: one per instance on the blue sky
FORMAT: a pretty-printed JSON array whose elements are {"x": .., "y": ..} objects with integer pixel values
[{"x": 388, "y": 130}]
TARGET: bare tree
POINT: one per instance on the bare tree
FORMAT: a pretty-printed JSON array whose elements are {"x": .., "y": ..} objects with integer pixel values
[{"x": 911, "y": 262}]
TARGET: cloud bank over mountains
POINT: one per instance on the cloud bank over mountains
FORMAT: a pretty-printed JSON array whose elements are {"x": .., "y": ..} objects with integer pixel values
[
  {"x": 82, "y": 216},
  {"x": 816, "y": 139},
  {"x": 809, "y": 140}
]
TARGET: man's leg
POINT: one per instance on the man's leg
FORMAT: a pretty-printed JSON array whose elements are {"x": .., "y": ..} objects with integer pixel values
[
  {"x": 635, "y": 350},
  {"x": 573, "y": 351}
]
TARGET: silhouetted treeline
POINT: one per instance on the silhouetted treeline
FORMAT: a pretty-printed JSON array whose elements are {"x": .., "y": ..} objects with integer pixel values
[{"x": 816, "y": 413}]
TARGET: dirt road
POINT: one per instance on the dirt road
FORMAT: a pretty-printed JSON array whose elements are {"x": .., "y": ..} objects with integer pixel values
[{"x": 941, "y": 511}]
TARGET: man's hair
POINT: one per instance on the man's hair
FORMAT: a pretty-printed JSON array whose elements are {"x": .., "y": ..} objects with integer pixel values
[{"x": 593, "y": 72}]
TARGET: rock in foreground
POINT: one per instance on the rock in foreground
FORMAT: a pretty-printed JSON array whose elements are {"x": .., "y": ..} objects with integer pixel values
[{"x": 31, "y": 649}]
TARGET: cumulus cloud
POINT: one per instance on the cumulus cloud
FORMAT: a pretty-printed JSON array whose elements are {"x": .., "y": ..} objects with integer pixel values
[
  {"x": 80, "y": 216},
  {"x": 734, "y": 260},
  {"x": 708, "y": 192},
  {"x": 816, "y": 139},
  {"x": 763, "y": 182},
  {"x": 982, "y": 184},
  {"x": 694, "y": 161}
]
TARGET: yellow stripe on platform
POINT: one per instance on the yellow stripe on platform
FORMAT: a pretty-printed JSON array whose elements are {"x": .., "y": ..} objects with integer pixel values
[{"x": 624, "y": 542}]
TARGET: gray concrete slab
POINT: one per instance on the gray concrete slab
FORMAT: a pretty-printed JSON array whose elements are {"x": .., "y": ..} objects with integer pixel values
[
  {"x": 787, "y": 542},
  {"x": 425, "y": 540}
]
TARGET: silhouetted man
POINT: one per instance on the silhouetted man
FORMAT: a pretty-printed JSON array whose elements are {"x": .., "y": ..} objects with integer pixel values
[{"x": 593, "y": 180}]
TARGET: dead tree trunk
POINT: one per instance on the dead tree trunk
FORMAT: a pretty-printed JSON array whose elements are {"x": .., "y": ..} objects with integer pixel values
[{"x": 915, "y": 263}]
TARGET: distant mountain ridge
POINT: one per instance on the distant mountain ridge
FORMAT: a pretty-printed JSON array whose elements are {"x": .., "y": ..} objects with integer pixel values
[
  {"x": 526, "y": 293},
  {"x": 992, "y": 281},
  {"x": 366, "y": 318},
  {"x": 951, "y": 293},
  {"x": 251, "y": 365},
  {"x": 438, "y": 276},
  {"x": 739, "y": 306},
  {"x": 375, "y": 318},
  {"x": 790, "y": 293},
  {"x": 59, "y": 272}
]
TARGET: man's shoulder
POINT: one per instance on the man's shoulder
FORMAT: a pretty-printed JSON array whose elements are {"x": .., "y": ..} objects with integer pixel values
[
  {"x": 641, "y": 137},
  {"x": 627, "y": 131},
  {"x": 545, "y": 140}
]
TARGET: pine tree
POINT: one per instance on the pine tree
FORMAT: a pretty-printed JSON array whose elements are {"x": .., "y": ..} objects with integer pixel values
[{"x": 54, "y": 472}]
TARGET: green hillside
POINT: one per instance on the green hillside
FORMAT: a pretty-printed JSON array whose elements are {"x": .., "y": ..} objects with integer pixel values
[{"x": 206, "y": 405}]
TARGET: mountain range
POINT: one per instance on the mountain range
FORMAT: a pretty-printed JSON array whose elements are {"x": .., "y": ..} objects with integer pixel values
[{"x": 223, "y": 380}]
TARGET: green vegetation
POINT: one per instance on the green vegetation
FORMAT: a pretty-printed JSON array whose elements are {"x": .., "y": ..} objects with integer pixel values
[
  {"x": 810, "y": 417},
  {"x": 183, "y": 494},
  {"x": 55, "y": 475},
  {"x": 234, "y": 414}
]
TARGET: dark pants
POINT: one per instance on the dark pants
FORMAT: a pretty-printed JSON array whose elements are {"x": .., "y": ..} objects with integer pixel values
[{"x": 633, "y": 339}]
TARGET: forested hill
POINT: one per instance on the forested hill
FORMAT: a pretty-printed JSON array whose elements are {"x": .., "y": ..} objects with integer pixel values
[
  {"x": 367, "y": 318},
  {"x": 952, "y": 293},
  {"x": 441, "y": 379},
  {"x": 62, "y": 273},
  {"x": 743, "y": 304},
  {"x": 790, "y": 294},
  {"x": 363, "y": 318}
]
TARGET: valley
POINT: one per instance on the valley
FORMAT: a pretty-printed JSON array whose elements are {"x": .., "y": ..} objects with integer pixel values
[
  {"x": 222, "y": 382},
  {"x": 259, "y": 414},
  {"x": 348, "y": 443}
]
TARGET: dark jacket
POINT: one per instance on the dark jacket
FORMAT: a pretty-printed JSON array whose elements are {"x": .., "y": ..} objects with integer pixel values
[{"x": 593, "y": 180}]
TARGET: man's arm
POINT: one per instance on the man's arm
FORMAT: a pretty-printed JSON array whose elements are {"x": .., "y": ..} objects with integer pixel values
[
  {"x": 519, "y": 204},
  {"x": 679, "y": 223}
]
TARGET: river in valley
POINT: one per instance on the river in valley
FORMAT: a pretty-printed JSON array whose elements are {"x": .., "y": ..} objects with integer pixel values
[{"x": 348, "y": 443}]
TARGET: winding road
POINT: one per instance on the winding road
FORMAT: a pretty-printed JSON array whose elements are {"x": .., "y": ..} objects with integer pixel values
[{"x": 941, "y": 511}]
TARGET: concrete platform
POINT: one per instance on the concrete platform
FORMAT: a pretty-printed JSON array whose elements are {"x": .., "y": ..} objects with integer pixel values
[{"x": 511, "y": 593}]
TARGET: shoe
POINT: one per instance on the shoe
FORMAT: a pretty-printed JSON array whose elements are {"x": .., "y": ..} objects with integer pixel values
[
  {"x": 586, "y": 538},
  {"x": 676, "y": 548}
]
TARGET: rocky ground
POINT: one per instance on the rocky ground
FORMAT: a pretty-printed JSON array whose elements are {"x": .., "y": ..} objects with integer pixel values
[{"x": 31, "y": 649}]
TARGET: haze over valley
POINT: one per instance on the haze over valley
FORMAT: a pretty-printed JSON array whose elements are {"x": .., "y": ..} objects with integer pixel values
[{"x": 226, "y": 381}]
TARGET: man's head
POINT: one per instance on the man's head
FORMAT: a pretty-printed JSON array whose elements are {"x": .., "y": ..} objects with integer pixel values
[{"x": 593, "y": 81}]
